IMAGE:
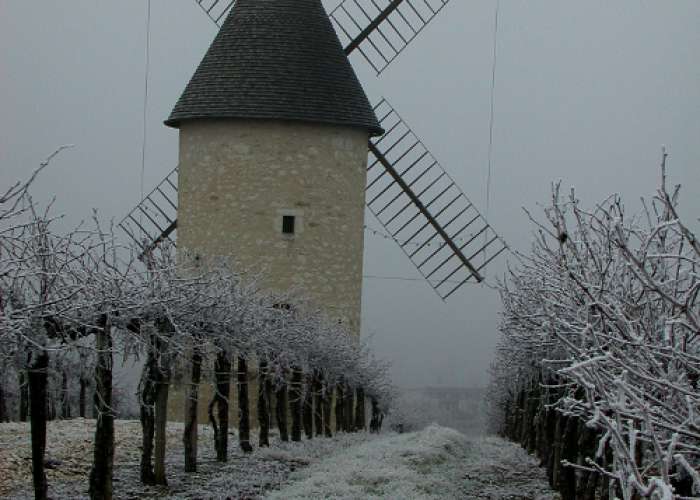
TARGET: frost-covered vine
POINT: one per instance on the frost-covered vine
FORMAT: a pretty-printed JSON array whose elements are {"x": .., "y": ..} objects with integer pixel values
[
  {"x": 602, "y": 322},
  {"x": 71, "y": 301}
]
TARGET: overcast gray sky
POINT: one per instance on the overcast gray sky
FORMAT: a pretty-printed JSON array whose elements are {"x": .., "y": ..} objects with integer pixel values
[{"x": 587, "y": 92}]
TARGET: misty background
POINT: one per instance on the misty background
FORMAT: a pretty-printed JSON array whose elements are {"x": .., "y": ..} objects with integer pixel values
[{"x": 586, "y": 91}]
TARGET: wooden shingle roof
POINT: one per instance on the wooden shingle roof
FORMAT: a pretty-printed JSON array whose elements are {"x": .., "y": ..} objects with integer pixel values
[{"x": 276, "y": 59}]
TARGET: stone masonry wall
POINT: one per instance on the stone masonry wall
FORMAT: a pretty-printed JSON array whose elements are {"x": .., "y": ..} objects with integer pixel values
[{"x": 237, "y": 179}]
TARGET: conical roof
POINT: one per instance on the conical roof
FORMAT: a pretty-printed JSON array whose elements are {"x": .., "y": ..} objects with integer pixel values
[{"x": 276, "y": 59}]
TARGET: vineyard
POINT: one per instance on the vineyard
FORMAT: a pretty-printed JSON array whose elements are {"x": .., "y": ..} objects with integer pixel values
[
  {"x": 596, "y": 372},
  {"x": 73, "y": 303},
  {"x": 598, "y": 366}
]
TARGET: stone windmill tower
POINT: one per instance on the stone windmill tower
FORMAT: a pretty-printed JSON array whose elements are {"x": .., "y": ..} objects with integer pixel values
[
  {"x": 280, "y": 149},
  {"x": 273, "y": 132}
]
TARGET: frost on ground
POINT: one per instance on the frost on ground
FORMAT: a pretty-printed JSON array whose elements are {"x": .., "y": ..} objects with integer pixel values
[
  {"x": 69, "y": 455},
  {"x": 435, "y": 463}
]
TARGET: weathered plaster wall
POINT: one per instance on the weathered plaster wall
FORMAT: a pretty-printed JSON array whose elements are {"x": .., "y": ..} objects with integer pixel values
[{"x": 237, "y": 179}]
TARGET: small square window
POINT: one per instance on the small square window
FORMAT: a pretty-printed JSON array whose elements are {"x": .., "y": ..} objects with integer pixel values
[{"x": 288, "y": 224}]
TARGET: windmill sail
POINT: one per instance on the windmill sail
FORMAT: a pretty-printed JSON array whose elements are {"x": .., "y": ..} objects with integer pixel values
[
  {"x": 381, "y": 29},
  {"x": 424, "y": 210},
  {"x": 216, "y": 10},
  {"x": 154, "y": 219}
]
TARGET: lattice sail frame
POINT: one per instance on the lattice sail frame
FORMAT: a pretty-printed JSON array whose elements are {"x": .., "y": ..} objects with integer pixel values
[
  {"x": 216, "y": 10},
  {"x": 423, "y": 209},
  {"x": 381, "y": 29},
  {"x": 409, "y": 193},
  {"x": 154, "y": 219}
]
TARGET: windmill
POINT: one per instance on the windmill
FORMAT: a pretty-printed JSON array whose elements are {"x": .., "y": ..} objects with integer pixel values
[{"x": 407, "y": 190}]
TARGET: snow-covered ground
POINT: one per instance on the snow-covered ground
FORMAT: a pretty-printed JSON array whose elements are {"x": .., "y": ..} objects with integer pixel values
[{"x": 433, "y": 463}]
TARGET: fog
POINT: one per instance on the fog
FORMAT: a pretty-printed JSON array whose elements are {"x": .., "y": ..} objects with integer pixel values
[{"x": 586, "y": 91}]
